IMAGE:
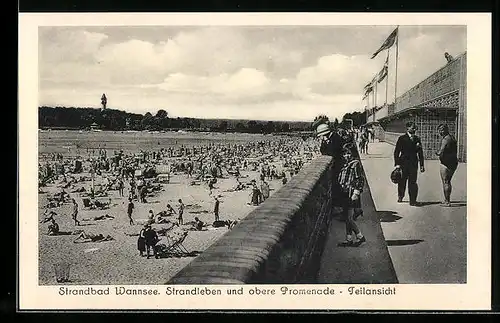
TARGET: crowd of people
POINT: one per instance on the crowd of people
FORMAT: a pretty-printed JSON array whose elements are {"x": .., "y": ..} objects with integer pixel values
[
  {"x": 346, "y": 145},
  {"x": 135, "y": 177},
  {"x": 348, "y": 176}
]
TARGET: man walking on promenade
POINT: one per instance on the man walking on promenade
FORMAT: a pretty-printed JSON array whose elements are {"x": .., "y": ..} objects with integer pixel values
[
  {"x": 408, "y": 154},
  {"x": 449, "y": 161}
]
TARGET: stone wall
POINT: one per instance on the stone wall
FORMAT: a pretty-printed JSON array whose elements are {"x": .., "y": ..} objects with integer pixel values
[{"x": 281, "y": 241}]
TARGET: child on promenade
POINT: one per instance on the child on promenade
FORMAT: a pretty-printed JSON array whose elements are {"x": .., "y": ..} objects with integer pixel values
[{"x": 351, "y": 181}]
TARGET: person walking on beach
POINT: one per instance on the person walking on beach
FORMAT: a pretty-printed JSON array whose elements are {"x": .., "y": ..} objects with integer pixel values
[
  {"x": 216, "y": 208},
  {"x": 264, "y": 187},
  {"x": 120, "y": 186},
  {"x": 180, "y": 212},
  {"x": 74, "y": 214},
  {"x": 130, "y": 209},
  {"x": 143, "y": 191},
  {"x": 351, "y": 181},
  {"x": 408, "y": 154},
  {"x": 449, "y": 161},
  {"x": 132, "y": 194}
]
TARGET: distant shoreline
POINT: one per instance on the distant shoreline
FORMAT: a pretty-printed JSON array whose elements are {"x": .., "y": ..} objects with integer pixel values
[{"x": 185, "y": 130}]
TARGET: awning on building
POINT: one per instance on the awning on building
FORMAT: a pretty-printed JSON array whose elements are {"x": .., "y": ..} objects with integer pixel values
[{"x": 416, "y": 109}]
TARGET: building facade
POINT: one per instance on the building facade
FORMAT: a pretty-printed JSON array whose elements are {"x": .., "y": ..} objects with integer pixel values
[{"x": 440, "y": 98}]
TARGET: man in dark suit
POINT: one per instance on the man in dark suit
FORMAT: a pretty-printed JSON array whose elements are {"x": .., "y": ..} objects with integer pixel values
[{"x": 408, "y": 154}]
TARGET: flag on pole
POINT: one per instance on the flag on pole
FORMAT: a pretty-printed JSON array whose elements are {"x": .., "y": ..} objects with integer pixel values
[
  {"x": 369, "y": 85},
  {"x": 388, "y": 42},
  {"x": 368, "y": 89},
  {"x": 384, "y": 71},
  {"x": 382, "y": 74}
]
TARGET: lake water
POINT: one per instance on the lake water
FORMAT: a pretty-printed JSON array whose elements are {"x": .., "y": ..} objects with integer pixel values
[{"x": 75, "y": 142}]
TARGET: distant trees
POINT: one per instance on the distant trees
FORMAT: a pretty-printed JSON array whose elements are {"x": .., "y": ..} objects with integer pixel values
[
  {"x": 358, "y": 118},
  {"x": 269, "y": 127},
  {"x": 147, "y": 121},
  {"x": 223, "y": 126},
  {"x": 109, "y": 119},
  {"x": 240, "y": 127}
]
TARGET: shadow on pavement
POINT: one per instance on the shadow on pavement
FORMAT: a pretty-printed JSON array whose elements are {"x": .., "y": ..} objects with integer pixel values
[
  {"x": 428, "y": 203},
  {"x": 453, "y": 204},
  {"x": 458, "y": 204},
  {"x": 391, "y": 243},
  {"x": 388, "y": 216}
]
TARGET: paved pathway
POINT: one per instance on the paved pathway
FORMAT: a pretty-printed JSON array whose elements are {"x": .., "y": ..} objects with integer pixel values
[
  {"x": 368, "y": 264},
  {"x": 427, "y": 244}
]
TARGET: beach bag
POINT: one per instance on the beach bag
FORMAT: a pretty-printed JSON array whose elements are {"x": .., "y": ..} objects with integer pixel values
[
  {"x": 219, "y": 224},
  {"x": 396, "y": 175}
]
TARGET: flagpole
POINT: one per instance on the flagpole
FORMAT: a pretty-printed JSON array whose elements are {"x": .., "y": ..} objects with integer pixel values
[
  {"x": 387, "y": 76},
  {"x": 397, "y": 57}
]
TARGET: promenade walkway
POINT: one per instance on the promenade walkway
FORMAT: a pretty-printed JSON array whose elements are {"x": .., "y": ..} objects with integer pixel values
[
  {"x": 427, "y": 243},
  {"x": 405, "y": 244}
]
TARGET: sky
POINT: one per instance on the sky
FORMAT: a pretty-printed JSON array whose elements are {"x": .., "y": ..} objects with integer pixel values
[{"x": 290, "y": 73}]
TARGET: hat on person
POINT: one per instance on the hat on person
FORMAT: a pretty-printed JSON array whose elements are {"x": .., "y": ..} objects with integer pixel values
[
  {"x": 348, "y": 145},
  {"x": 322, "y": 130},
  {"x": 443, "y": 126}
]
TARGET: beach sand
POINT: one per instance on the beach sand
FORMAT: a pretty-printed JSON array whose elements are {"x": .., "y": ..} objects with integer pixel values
[{"x": 118, "y": 261}]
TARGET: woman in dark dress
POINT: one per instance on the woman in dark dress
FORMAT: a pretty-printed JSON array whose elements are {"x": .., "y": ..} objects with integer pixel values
[
  {"x": 151, "y": 239},
  {"x": 141, "y": 241}
]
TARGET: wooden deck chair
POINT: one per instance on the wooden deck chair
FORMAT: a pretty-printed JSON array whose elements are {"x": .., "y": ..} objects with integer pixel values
[{"x": 173, "y": 245}]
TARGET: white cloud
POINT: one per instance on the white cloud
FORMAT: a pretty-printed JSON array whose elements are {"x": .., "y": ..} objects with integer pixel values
[
  {"x": 338, "y": 74},
  {"x": 71, "y": 45},
  {"x": 214, "y": 72},
  {"x": 246, "y": 82}
]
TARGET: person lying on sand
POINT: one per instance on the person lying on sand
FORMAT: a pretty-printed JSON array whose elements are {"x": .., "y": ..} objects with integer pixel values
[
  {"x": 90, "y": 237},
  {"x": 170, "y": 211},
  {"x": 162, "y": 217},
  {"x": 53, "y": 228},
  {"x": 99, "y": 217},
  {"x": 198, "y": 224}
]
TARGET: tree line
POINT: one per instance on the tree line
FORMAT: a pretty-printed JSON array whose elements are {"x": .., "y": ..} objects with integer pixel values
[{"x": 117, "y": 120}]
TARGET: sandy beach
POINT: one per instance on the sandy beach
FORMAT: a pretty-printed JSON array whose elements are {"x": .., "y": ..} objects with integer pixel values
[{"x": 118, "y": 261}]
